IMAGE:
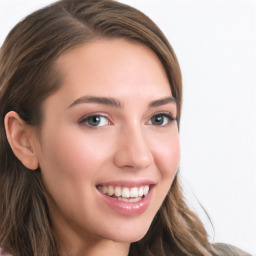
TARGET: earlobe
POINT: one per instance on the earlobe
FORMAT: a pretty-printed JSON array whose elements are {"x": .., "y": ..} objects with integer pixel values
[{"x": 19, "y": 136}]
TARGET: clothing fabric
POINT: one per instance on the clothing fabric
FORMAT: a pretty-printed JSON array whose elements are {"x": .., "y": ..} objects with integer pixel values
[{"x": 229, "y": 250}]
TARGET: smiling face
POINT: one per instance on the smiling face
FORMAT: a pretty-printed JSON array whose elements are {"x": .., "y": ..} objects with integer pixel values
[{"x": 109, "y": 146}]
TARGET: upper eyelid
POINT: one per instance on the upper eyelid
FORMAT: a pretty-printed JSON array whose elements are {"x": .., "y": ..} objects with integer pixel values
[
  {"x": 106, "y": 115},
  {"x": 168, "y": 113},
  {"x": 94, "y": 114},
  {"x": 165, "y": 114},
  {"x": 84, "y": 121}
]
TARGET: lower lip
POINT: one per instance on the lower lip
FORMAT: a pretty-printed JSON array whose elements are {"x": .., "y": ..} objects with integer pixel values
[{"x": 128, "y": 208}]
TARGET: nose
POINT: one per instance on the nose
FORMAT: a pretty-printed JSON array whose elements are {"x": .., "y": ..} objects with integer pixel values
[{"x": 133, "y": 150}]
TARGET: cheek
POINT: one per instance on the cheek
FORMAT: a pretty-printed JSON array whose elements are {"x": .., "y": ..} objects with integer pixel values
[
  {"x": 70, "y": 162},
  {"x": 72, "y": 154},
  {"x": 167, "y": 156}
]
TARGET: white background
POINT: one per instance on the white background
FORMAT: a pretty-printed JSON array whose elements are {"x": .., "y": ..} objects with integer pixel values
[{"x": 215, "y": 41}]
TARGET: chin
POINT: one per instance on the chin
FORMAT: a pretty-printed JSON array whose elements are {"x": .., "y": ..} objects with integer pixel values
[
  {"x": 129, "y": 235},
  {"x": 129, "y": 238}
]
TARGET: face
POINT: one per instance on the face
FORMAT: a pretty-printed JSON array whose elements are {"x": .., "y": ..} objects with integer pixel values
[{"x": 109, "y": 146}]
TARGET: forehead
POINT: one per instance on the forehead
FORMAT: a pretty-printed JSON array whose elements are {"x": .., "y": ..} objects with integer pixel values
[{"x": 113, "y": 66}]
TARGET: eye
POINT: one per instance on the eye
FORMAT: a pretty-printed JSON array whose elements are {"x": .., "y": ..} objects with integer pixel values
[
  {"x": 161, "y": 119},
  {"x": 95, "y": 120}
]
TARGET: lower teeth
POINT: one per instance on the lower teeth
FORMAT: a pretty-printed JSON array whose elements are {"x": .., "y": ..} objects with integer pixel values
[{"x": 130, "y": 200}]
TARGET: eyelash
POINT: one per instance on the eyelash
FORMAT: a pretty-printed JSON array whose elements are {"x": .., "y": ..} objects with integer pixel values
[
  {"x": 85, "y": 120},
  {"x": 169, "y": 117}
]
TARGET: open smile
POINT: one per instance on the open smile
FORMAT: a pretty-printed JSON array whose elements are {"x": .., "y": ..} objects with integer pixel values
[
  {"x": 127, "y": 194},
  {"x": 127, "y": 200}
]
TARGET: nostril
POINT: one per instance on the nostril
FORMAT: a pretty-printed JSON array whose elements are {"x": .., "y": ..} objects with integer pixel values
[
  {"x": 133, "y": 151},
  {"x": 133, "y": 159}
]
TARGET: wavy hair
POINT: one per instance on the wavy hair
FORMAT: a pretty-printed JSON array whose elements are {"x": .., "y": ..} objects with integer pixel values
[{"x": 28, "y": 75}]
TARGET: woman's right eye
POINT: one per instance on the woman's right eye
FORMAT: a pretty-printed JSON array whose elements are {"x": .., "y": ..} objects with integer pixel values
[{"x": 95, "y": 121}]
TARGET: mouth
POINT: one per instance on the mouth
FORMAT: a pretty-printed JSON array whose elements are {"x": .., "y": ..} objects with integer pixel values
[{"x": 125, "y": 194}]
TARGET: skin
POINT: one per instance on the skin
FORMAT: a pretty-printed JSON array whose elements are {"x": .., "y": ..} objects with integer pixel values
[{"x": 75, "y": 156}]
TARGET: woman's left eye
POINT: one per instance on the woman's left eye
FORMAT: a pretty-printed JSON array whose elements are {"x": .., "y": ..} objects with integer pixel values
[
  {"x": 95, "y": 120},
  {"x": 161, "y": 119}
]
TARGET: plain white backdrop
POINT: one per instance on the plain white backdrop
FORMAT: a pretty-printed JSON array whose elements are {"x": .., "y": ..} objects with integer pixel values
[{"x": 215, "y": 41}]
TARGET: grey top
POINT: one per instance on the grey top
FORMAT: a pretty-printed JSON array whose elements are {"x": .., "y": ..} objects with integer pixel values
[{"x": 229, "y": 250}]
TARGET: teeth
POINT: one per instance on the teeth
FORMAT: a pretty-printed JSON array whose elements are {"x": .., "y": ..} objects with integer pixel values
[
  {"x": 118, "y": 191},
  {"x": 105, "y": 190},
  {"x": 133, "y": 194},
  {"x": 133, "y": 200},
  {"x": 141, "y": 191},
  {"x": 130, "y": 200},
  {"x": 146, "y": 189},
  {"x": 111, "y": 191},
  {"x": 125, "y": 193}
]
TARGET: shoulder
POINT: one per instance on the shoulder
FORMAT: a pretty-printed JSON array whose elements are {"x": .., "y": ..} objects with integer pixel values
[
  {"x": 3, "y": 253},
  {"x": 229, "y": 250}
]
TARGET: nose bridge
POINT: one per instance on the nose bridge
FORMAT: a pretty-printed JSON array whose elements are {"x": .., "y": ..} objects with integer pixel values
[{"x": 133, "y": 150}]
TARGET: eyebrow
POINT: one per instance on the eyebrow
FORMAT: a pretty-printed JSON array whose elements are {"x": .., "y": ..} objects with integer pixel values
[
  {"x": 112, "y": 102},
  {"x": 163, "y": 101},
  {"x": 107, "y": 101}
]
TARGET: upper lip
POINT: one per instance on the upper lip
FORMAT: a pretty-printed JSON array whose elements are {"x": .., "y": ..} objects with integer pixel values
[{"x": 128, "y": 183}]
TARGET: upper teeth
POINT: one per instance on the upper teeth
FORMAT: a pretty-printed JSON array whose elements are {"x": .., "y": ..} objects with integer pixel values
[{"x": 124, "y": 192}]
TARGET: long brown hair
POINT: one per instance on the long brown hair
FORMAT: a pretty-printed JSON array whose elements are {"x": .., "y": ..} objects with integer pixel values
[{"x": 28, "y": 75}]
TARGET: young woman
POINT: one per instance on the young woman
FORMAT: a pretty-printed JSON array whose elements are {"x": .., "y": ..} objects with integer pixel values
[{"x": 90, "y": 102}]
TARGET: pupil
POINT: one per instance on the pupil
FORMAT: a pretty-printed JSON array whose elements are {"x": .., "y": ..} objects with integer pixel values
[
  {"x": 158, "y": 120},
  {"x": 94, "y": 120}
]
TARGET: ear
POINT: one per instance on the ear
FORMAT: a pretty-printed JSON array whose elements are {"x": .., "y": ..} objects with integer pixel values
[{"x": 20, "y": 137}]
